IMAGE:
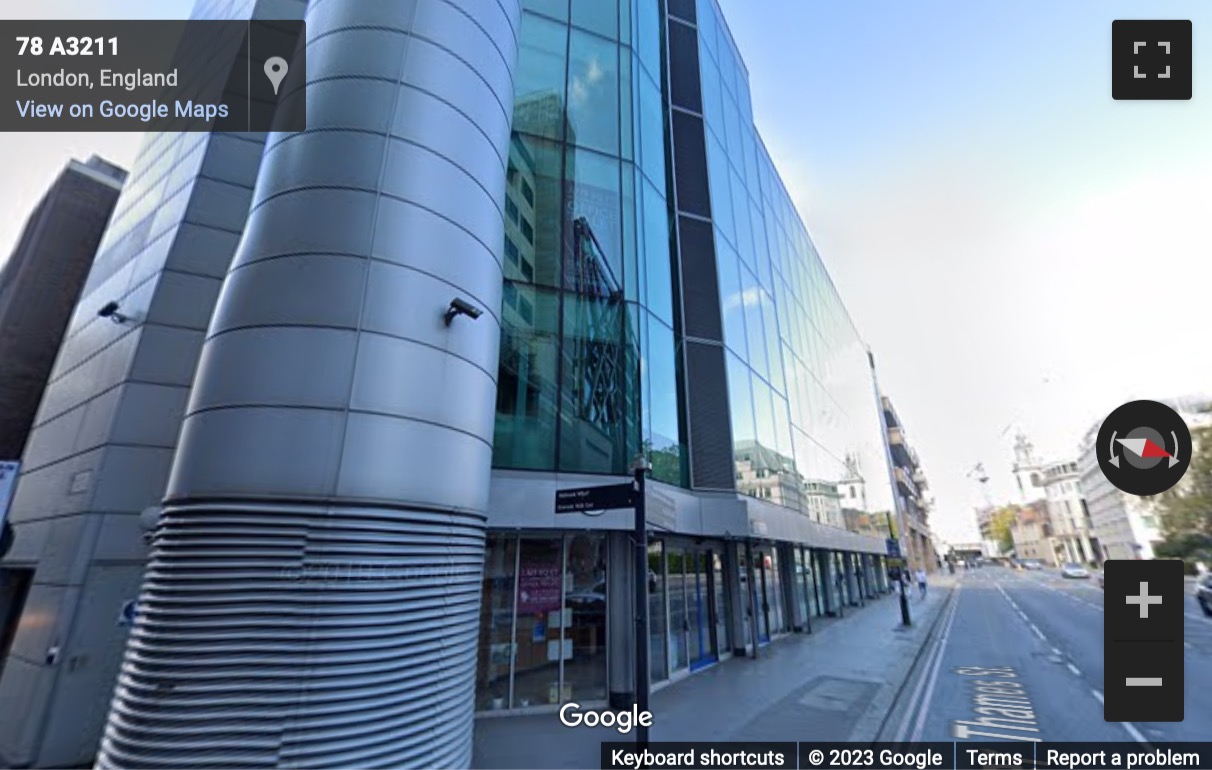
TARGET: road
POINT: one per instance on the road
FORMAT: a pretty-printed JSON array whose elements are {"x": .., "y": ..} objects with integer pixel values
[{"x": 1033, "y": 642}]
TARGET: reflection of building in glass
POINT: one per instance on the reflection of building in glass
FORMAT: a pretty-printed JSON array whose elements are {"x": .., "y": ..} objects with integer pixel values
[
  {"x": 600, "y": 355},
  {"x": 823, "y": 503},
  {"x": 763, "y": 473}
]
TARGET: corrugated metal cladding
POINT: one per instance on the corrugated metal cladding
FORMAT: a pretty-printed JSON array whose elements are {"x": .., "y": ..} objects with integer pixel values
[{"x": 711, "y": 465}]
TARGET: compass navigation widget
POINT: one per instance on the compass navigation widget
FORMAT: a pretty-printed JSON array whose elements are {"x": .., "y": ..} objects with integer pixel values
[{"x": 1144, "y": 448}]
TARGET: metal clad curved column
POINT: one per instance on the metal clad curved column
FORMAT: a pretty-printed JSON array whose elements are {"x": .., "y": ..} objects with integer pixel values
[{"x": 313, "y": 594}]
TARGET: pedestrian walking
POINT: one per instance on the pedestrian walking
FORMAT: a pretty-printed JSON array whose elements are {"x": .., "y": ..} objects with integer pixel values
[{"x": 921, "y": 582}]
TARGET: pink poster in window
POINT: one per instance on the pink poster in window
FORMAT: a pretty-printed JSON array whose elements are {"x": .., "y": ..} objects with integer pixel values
[{"x": 539, "y": 587}]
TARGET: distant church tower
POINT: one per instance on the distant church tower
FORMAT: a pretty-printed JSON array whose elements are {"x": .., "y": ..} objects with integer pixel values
[{"x": 1026, "y": 469}]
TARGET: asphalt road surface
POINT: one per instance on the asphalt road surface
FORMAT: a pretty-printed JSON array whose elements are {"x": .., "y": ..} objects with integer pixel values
[{"x": 1032, "y": 641}]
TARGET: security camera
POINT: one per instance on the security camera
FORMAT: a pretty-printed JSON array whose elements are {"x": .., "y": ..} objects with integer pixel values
[
  {"x": 110, "y": 311},
  {"x": 460, "y": 306}
]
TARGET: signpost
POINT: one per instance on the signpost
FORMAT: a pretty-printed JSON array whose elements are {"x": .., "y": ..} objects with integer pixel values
[
  {"x": 603, "y": 498},
  {"x": 613, "y": 496},
  {"x": 893, "y": 547},
  {"x": 8, "y": 484}
]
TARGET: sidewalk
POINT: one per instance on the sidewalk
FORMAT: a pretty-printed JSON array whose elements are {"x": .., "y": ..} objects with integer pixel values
[{"x": 835, "y": 684}]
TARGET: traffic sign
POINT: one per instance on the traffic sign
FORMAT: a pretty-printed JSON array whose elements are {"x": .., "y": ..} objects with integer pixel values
[
  {"x": 893, "y": 547},
  {"x": 599, "y": 498},
  {"x": 895, "y": 561}
]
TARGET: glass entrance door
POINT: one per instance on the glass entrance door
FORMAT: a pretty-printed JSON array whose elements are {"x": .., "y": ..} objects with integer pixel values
[
  {"x": 701, "y": 610},
  {"x": 692, "y": 610},
  {"x": 761, "y": 569}
]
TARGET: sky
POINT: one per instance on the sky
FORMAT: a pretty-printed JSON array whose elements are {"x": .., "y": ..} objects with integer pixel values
[{"x": 1020, "y": 251}]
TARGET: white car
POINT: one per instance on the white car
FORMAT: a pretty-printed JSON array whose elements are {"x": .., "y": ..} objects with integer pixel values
[{"x": 1072, "y": 570}]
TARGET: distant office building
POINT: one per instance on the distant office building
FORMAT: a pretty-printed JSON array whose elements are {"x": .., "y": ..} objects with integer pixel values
[
  {"x": 364, "y": 424},
  {"x": 911, "y": 489},
  {"x": 1032, "y": 533},
  {"x": 1072, "y": 536},
  {"x": 40, "y": 284},
  {"x": 1126, "y": 526}
]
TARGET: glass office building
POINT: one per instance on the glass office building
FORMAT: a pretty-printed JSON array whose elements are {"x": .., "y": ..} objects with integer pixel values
[{"x": 662, "y": 296}]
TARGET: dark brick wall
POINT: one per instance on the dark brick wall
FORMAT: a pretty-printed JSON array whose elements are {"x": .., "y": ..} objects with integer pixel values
[{"x": 39, "y": 288}]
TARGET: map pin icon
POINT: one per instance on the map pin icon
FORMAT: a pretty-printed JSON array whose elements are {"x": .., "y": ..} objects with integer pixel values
[{"x": 275, "y": 70}]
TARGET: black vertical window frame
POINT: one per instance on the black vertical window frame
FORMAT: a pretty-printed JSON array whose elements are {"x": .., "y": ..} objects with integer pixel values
[
  {"x": 701, "y": 285},
  {"x": 682, "y": 9},
  {"x": 684, "y": 86},
  {"x": 690, "y": 164}
]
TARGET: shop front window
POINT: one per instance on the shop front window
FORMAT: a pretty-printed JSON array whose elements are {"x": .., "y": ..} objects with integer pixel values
[
  {"x": 657, "y": 651},
  {"x": 539, "y": 618},
  {"x": 678, "y": 628},
  {"x": 722, "y": 636},
  {"x": 496, "y": 624},
  {"x": 584, "y": 643},
  {"x": 801, "y": 586}
]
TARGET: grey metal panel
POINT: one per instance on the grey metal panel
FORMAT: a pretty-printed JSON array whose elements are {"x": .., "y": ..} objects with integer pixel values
[
  {"x": 329, "y": 289},
  {"x": 202, "y": 250},
  {"x": 413, "y": 463},
  {"x": 444, "y": 130},
  {"x": 289, "y": 224},
  {"x": 131, "y": 478},
  {"x": 183, "y": 300},
  {"x": 405, "y": 303},
  {"x": 364, "y": 105},
  {"x": 381, "y": 52},
  {"x": 278, "y": 366},
  {"x": 25, "y": 691},
  {"x": 69, "y": 540},
  {"x": 255, "y": 451},
  {"x": 470, "y": 201},
  {"x": 407, "y": 234},
  {"x": 270, "y": 505},
  {"x": 336, "y": 158},
  {"x": 166, "y": 355},
  {"x": 385, "y": 382}
]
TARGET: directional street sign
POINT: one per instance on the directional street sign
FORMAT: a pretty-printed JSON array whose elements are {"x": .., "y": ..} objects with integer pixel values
[
  {"x": 593, "y": 498},
  {"x": 893, "y": 547}
]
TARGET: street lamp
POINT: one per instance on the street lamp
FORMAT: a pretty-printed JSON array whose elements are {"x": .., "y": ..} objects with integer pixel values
[
  {"x": 639, "y": 470},
  {"x": 900, "y": 588}
]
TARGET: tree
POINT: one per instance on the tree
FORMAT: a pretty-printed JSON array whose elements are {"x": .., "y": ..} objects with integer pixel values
[
  {"x": 999, "y": 527},
  {"x": 1186, "y": 510}
]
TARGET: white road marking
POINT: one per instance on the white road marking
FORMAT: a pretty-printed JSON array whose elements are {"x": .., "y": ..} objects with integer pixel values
[
  {"x": 935, "y": 654},
  {"x": 1038, "y": 633},
  {"x": 1131, "y": 728},
  {"x": 938, "y": 662},
  {"x": 1074, "y": 670}
]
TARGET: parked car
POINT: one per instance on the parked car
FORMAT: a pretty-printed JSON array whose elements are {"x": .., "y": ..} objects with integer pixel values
[
  {"x": 1032, "y": 564},
  {"x": 1073, "y": 570},
  {"x": 1203, "y": 593}
]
